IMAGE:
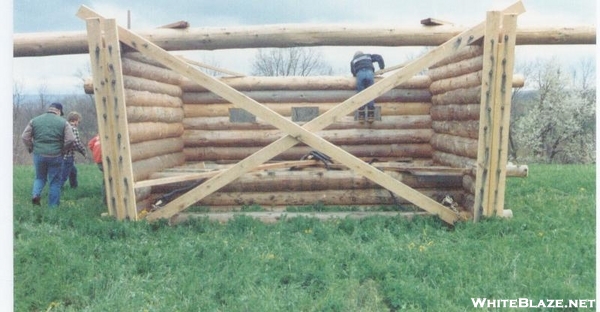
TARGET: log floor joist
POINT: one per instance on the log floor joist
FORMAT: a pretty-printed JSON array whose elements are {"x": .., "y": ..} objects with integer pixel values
[{"x": 418, "y": 159}]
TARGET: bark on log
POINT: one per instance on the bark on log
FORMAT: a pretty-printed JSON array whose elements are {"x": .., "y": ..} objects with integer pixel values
[
  {"x": 372, "y": 197},
  {"x": 139, "y": 57},
  {"x": 456, "y": 69},
  {"x": 468, "y": 202},
  {"x": 154, "y": 114},
  {"x": 147, "y": 131},
  {"x": 455, "y": 145},
  {"x": 294, "y": 83},
  {"x": 143, "y": 70},
  {"x": 469, "y": 184},
  {"x": 455, "y": 112},
  {"x": 380, "y": 152},
  {"x": 464, "y": 54},
  {"x": 201, "y": 138},
  {"x": 458, "y": 96},
  {"x": 276, "y": 216},
  {"x": 309, "y": 96},
  {"x": 520, "y": 171},
  {"x": 285, "y": 36},
  {"x": 149, "y": 149},
  {"x": 285, "y": 109},
  {"x": 347, "y": 122},
  {"x": 140, "y": 84},
  {"x": 455, "y": 161},
  {"x": 465, "y": 129},
  {"x": 142, "y": 169},
  {"x": 145, "y": 98},
  {"x": 142, "y": 193},
  {"x": 518, "y": 81},
  {"x": 302, "y": 181},
  {"x": 465, "y": 81}
]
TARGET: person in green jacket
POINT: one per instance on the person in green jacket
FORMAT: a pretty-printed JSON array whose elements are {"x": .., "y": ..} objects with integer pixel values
[{"x": 48, "y": 137}]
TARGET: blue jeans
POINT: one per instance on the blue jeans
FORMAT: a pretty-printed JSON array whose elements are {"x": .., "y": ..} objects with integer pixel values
[
  {"x": 47, "y": 168},
  {"x": 364, "y": 79},
  {"x": 69, "y": 171}
]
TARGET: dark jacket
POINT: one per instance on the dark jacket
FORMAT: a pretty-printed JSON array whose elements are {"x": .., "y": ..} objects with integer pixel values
[
  {"x": 365, "y": 61},
  {"x": 48, "y": 134}
]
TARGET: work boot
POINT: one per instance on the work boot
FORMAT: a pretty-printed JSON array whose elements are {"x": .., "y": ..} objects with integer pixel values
[
  {"x": 36, "y": 200},
  {"x": 360, "y": 114},
  {"x": 370, "y": 114}
]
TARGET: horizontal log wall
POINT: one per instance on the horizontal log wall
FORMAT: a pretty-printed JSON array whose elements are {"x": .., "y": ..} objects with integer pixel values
[
  {"x": 278, "y": 188},
  {"x": 456, "y": 92},
  {"x": 154, "y": 115},
  {"x": 404, "y": 131},
  {"x": 208, "y": 135}
]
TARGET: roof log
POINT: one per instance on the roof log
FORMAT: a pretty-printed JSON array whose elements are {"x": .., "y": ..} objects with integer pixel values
[{"x": 282, "y": 36}]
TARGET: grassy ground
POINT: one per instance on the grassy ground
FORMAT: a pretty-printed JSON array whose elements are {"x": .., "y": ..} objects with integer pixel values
[{"x": 71, "y": 259}]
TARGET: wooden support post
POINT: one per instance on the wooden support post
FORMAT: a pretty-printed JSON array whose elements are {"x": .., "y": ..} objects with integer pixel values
[
  {"x": 109, "y": 95},
  {"x": 499, "y": 47},
  {"x": 486, "y": 118},
  {"x": 504, "y": 69}
]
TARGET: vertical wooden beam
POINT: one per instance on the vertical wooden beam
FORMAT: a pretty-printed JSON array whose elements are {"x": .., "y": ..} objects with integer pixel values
[
  {"x": 504, "y": 77},
  {"x": 499, "y": 46},
  {"x": 97, "y": 58},
  {"x": 486, "y": 118},
  {"x": 109, "y": 96}
]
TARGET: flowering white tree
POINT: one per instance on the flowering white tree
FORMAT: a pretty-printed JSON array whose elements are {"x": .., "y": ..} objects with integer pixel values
[{"x": 559, "y": 125}]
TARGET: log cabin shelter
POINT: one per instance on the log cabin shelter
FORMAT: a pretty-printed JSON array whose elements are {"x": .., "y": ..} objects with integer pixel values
[{"x": 174, "y": 137}]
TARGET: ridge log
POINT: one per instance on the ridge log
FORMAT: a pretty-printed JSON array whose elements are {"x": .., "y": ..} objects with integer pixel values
[{"x": 284, "y": 36}]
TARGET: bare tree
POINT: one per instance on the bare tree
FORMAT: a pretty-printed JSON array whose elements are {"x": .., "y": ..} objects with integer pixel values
[{"x": 290, "y": 62}]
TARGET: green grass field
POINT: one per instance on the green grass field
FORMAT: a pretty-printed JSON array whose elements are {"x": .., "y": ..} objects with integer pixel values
[{"x": 71, "y": 259}]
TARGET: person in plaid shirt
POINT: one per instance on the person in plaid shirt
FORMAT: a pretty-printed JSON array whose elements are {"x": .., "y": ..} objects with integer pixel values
[{"x": 69, "y": 171}]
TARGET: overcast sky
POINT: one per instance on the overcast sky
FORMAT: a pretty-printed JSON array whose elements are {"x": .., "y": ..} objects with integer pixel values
[{"x": 59, "y": 72}]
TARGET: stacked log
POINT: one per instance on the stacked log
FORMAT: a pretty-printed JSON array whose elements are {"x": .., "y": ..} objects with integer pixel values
[
  {"x": 154, "y": 115},
  {"x": 403, "y": 132},
  {"x": 456, "y": 93},
  {"x": 274, "y": 189}
]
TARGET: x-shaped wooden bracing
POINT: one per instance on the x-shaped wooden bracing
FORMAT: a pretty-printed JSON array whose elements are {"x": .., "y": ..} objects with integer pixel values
[{"x": 296, "y": 133}]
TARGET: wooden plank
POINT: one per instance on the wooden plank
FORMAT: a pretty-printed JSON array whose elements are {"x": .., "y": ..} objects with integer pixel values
[
  {"x": 210, "y": 67},
  {"x": 496, "y": 119},
  {"x": 98, "y": 62},
  {"x": 124, "y": 180},
  {"x": 505, "y": 66},
  {"x": 430, "y": 21},
  {"x": 112, "y": 122},
  {"x": 203, "y": 175},
  {"x": 492, "y": 33}
]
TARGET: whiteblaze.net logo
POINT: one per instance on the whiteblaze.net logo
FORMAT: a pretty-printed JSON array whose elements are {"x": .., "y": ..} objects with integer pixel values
[{"x": 528, "y": 303}]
